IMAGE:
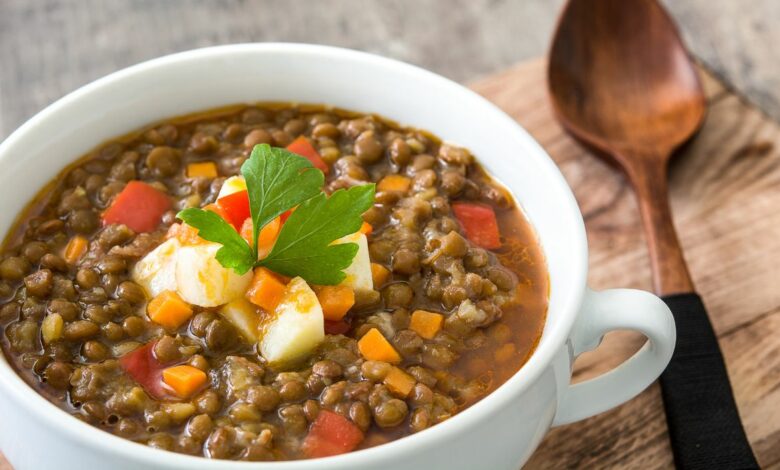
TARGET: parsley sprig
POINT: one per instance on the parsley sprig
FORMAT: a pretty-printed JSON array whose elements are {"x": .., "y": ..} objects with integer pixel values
[{"x": 278, "y": 180}]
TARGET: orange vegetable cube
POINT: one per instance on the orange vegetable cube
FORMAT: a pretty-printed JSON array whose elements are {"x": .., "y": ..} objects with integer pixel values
[
  {"x": 399, "y": 382},
  {"x": 335, "y": 301},
  {"x": 202, "y": 169},
  {"x": 398, "y": 183},
  {"x": 379, "y": 274},
  {"x": 217, "y": 209},
  {"x": 186, "y": 234},
  {"x": 267, "y": 237},
  {"x": 266, "y": 289},
  {"x": 426, "y": 324},
  {"x": 169, "y": 310},
  {"x": 366, "y": 228},
  {"x": 75, "y": 249},
  {"x": 374, "y": 347},
  {"x": 184, "y": 380}
]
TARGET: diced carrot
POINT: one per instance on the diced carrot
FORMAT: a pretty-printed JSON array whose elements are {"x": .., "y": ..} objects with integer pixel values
[
  {"x": 426, "y": 324},
  {"x": 304, "y": 148},
  {"x": 479, "y": 222},
  {"x": 366, "y": 229},
  {"x": 335, "y": 301},
  {"x": 398, "y": 183},
  {"x": 184, "y": 380},
  {"x": 217, "y": 209},
  {"x": 169, "y": 310},
  {"x": 331, "y": 434},
  {"x": 140, "y": 206},
  {"x": 266, "y": 289},
  {"x": 379, "y": 274},
  {"x": 186, "y": 234},
  {"x": 399, "y": 382},
  {"x": 374, "y": 347},
  {"x": 202, "y": 169},
  {"x": 267, "y": 237},
  {"x": 75, "y": 249}
]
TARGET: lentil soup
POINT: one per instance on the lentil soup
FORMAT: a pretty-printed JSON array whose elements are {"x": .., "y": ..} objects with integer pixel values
[{"x": 445, "y": 298}]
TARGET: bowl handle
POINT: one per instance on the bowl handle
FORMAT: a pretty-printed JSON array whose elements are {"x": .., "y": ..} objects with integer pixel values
[{"x": 609, "y": 310}]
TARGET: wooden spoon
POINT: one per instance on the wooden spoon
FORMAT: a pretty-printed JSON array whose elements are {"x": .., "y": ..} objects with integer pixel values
[{"x": 621, "y": 81}]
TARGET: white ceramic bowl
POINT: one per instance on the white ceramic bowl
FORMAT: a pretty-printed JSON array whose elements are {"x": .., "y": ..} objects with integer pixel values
[{"x": 499, "y": 432}]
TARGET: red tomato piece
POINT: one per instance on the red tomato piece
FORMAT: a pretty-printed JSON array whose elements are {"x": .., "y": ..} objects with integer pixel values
[
  {"x": 479, "y": 222},
  {"x": 331, "y": 434},
  {"x": 336, "y": 327},
  {"x": 139, "y": 206},
  {"x": 286, "y": 215},
  {"x": 235, "y": 208},
  {"x": 304, "y": 148},
  {"x": 142, "y": 365}
]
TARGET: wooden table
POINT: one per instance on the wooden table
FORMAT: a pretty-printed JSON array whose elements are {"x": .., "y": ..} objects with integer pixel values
[{"x": 725, "y": 190}]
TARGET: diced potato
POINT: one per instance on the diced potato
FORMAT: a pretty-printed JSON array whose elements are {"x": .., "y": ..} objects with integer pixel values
[
  {"x": 201, "y": 280},
  {"x": 359, "y": 276},
  {"x": 243, "y": 316},
  {"x": 232, "y": 185},
  {"x": 296, "y": 327},
  {"x": 156, "y": 272}
]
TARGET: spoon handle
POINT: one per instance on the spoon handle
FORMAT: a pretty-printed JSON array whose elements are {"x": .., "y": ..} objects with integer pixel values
[
  {"x": 670, "y": 272},
  {"x": 704, "y": 425}
]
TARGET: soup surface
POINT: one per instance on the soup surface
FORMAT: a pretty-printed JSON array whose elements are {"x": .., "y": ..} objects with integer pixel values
[{"x": 448, "y": 311}]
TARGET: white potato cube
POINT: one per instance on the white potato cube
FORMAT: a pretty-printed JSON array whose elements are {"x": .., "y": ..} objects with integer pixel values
[
  {"x": 243, "y": 315},
  {"x": 202, "y": 281},
  {"x": 156, "y": 272},
  {"x": 359, "y": 272},
  {"x": 296, "y": 326},
  {"x": 232, "y": 185}
]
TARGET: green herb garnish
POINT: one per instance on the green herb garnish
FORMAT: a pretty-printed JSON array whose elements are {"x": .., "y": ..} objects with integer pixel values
[
  {"x": 303, "y": 247},
  {"x": 278, "y": 180}
]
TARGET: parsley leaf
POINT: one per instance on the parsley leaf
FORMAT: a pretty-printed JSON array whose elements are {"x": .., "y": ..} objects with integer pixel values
[
  {"x": 235, "y": 252},
  {"x": 304, "y": 248},
  {"x": 277, "y": 180}
]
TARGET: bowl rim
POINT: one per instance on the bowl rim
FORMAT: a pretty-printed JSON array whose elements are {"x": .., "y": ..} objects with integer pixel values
[{"x": 555, "y": 335}]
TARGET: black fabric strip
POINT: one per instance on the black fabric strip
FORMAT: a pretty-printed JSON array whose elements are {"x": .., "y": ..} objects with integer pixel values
[{"x": 704, "y": 424}]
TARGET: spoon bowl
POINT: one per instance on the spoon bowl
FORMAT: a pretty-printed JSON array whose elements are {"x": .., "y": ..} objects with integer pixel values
[{"x": 621, "y": 79}]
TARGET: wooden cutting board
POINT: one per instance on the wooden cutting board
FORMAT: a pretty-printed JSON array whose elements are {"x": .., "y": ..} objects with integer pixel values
[{"x": 725, "y": 189}]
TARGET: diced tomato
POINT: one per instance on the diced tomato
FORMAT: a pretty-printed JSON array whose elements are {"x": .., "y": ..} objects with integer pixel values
[
  {"x": 139, "y": 206},
  {"x": 336, "y": 327},
  {"x": 479, "y": 222},
  {"x": 142, "y": 365},
  {"x": 235, "y": 208},
  {"x": 286, "y": 215},
  {"x": 304, "y": 148},
  {"x": 331, "y": 434}
]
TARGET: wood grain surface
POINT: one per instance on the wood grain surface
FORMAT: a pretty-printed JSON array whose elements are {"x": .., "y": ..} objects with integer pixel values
[{"x": 725, "y": 192}]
